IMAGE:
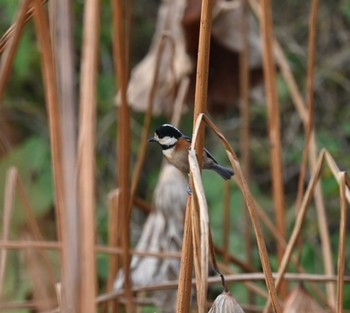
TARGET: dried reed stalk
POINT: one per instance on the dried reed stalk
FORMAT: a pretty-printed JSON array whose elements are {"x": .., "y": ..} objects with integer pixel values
[
  {"x": 148, "y": 117},
  {"x": 54, "y": 245},
  {"x": 179, "y": 101},
  {"x": 200, "y": 105},
  {"x": 114, "y": 227},
  {"x": 226, "y": 224},
  {"x": 43, "y": 287},
  {"x": 43, "y": 290},
  {"x": 335, "y": 171},
  {"x": 243, "y": 277},
  {"x": 185, "y": 275},
  {"x": 49, "y": 74},
  {"x": 183, "y": 299},
  {"x": 10, "y": 51},
  {"x": 301, "y": 108},
  {"x": 203, "y": 240},
  {"x": 10, "y": 184},
  {"x": 298, "y": 225},
  {"x": 86, "y": 156},
  {"x": 123, "y": 144},
  {"x": 62, "y": 34},
  {"x": 342, "y": 240},
  {"x": 250, "y": 203},
  {"x": 273, "y": 121},
  {"x": 9, "y": 33},
  {"x": 310, "y": 97},
  {"x": 310, "y": 107},
  {"x": 244, "y": 83}
]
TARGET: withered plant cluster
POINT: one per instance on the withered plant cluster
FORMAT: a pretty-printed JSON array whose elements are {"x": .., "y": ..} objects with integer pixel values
[{"x": 72, "y": 285}]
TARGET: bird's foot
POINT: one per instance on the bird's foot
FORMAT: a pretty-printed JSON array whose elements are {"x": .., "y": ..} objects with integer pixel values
[{"x": 188, "y": 190}]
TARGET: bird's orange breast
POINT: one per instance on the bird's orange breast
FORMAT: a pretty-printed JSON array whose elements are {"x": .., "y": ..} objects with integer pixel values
[{"x": 179, "y": 155}]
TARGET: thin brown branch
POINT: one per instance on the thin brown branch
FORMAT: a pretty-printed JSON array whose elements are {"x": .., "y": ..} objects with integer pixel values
[
  {"x": 54, "y": 245},
  {"x": 319, "y": 278}
]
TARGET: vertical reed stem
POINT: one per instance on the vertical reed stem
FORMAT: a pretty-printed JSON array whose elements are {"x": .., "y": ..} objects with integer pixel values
[
  {"x": 244, "y": 81},
  {"x": 86, "y": 154},
  {"x": 10, "y": 184},
  {"x": 273, "y": 121},
  {"x": 123, "y": 166},
  {"x": 62, "y": 30},
  {"x": 342, "y": 241},
  {"x": 51, "y": 95},
  {"x": 185, "y": 274},
  {"x": 200, "y": 106}
]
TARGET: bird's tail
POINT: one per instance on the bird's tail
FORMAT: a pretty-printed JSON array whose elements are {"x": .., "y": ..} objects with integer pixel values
[{"x": 224, "y": 172}]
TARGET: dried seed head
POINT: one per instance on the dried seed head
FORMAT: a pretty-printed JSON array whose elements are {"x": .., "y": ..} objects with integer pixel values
[
  {"x": 225, "y": 303},
  {"x": 299, "y": 301}
]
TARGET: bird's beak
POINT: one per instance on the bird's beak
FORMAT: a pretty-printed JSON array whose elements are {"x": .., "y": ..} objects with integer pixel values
[{"x": 151, "y": 139}]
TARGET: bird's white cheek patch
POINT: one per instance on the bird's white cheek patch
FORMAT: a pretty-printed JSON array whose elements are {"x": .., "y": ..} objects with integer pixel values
[{"x": 167, "y": 141}]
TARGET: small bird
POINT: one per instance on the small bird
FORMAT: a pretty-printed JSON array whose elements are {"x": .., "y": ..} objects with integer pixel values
[{"x": 175, "y": 146}]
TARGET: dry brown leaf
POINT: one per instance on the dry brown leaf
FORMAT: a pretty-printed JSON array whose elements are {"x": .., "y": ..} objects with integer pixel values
[{"x": 299, "y": 301}]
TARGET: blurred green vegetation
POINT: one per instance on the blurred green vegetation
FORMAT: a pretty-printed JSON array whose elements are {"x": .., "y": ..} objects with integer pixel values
[{"x": 24, "y": 110}]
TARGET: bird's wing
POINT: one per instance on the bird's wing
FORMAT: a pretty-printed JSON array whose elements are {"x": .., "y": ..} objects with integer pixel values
[
  {"x": 189, "y": 139},
  {"x": 209, "y": 155}
]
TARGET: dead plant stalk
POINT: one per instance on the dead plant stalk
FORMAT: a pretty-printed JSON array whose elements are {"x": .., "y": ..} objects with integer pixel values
[
  {"x": 273, "y": 122},
  {"x": 123, "y": 142},
  {"x": 250, "y": 203},
  {"x": 201, "y": 261},
  {"x": 86, "y": 155}
]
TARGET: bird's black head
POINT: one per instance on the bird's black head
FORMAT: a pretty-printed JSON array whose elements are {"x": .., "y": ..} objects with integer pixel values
[
  {"x": 166, "y": 136},
  {"x": 167, "y": 130}
]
